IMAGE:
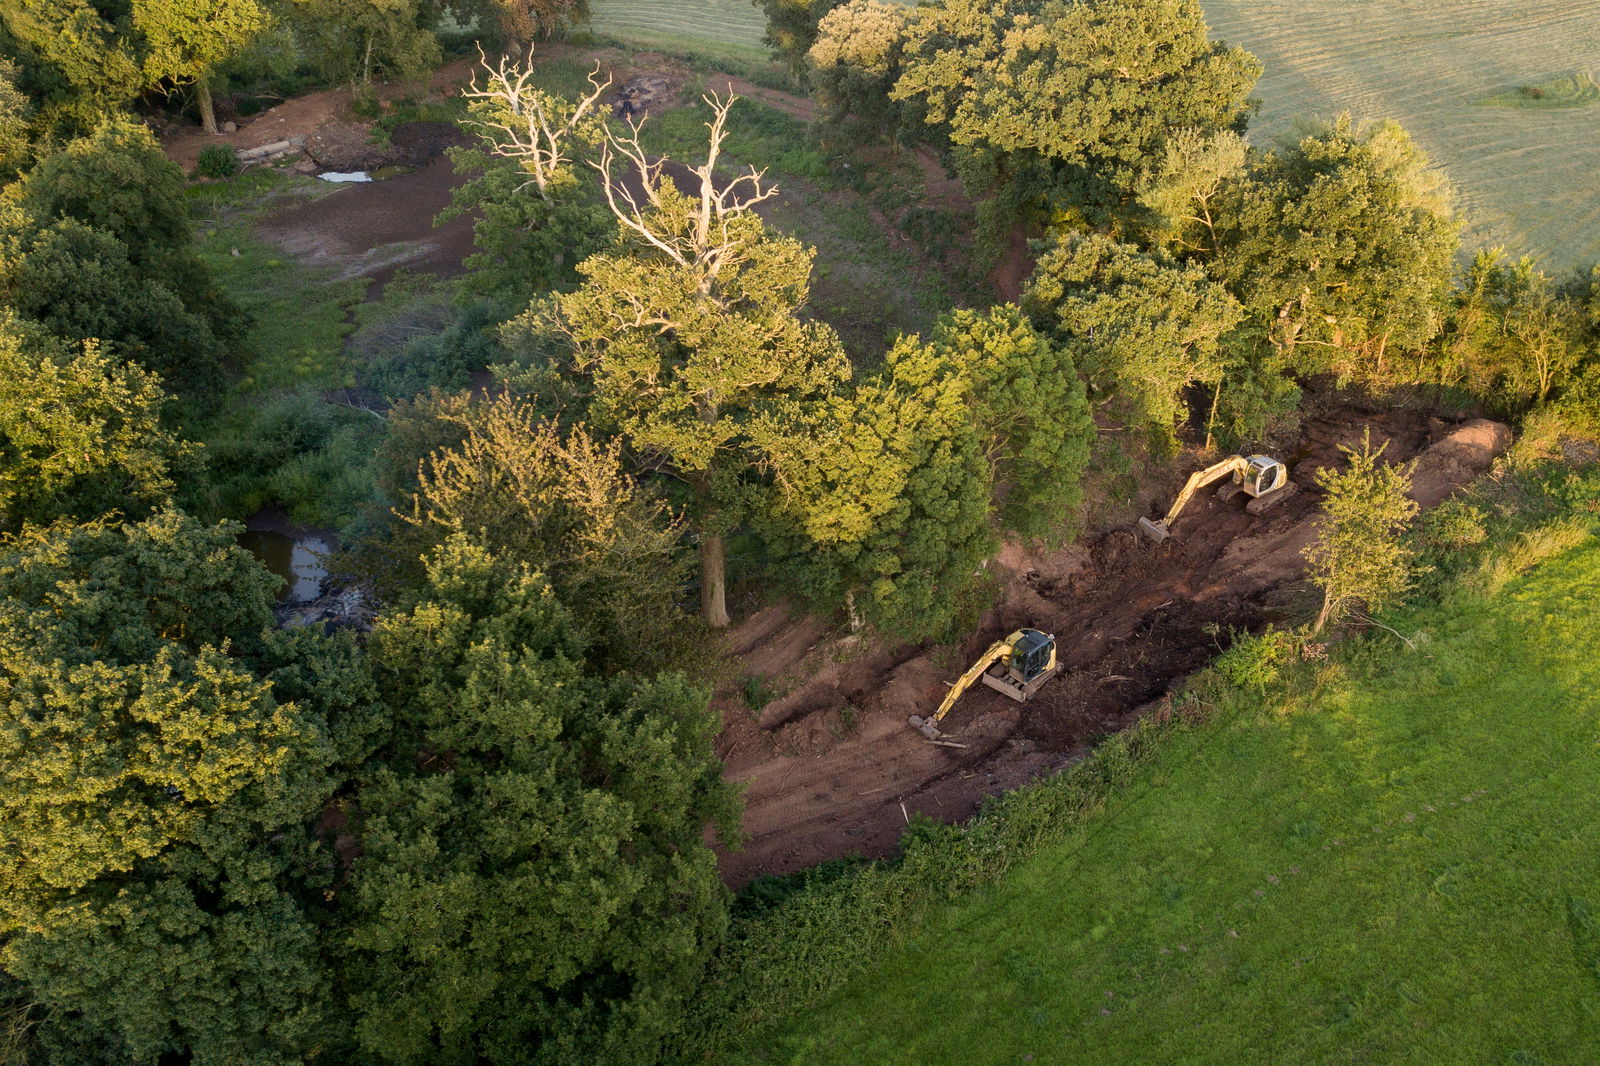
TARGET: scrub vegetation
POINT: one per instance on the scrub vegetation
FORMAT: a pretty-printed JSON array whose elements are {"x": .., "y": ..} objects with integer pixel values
[{"x": 850, "y": 328}]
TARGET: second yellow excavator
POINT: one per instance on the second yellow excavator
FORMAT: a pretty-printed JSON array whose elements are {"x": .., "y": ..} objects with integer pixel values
[
  {"x": 1017, "y": 666},
  {"x": 1263, "y": 478}
]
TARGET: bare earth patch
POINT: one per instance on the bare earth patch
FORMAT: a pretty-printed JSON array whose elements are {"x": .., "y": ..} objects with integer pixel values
[{"x": 830, "y": 768}]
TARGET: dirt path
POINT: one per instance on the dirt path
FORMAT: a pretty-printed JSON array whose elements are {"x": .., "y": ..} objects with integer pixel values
[{"x": 832, "y": 769}]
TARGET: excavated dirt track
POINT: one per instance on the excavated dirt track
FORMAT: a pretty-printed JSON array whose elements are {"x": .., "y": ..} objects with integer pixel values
[{"x": 832, "y": 769}]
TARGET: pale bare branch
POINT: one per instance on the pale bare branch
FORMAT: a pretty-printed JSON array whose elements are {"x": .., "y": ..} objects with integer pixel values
[
  {"x": 541, "y": 127},
  {"x": 710, "y": 242}
]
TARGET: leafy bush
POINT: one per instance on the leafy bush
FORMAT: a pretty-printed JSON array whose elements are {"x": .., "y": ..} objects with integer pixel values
[
  {"x": 445, "y": 359},
  {"x": 1253, "y": 661},
  {"x": 217, "y": 161}
]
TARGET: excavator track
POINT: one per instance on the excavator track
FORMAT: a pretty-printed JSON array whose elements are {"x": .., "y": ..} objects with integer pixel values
[{"x": 1269, "y": 500}]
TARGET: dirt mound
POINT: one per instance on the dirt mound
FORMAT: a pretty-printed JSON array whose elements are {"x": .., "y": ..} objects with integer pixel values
[
  {"x": 1461, "y": 455},
  {"x": 832, "y": 768}
]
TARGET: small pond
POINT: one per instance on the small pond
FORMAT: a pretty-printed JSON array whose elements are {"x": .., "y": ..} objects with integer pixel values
[{"x": 298, "y": 560}]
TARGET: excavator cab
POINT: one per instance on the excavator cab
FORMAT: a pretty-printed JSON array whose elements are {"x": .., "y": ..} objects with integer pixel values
[
  {"x": 1263, "y": 475},
  {"x": 1031, "y": 655},
  {"x": 1264, "y": 479},
  {"x": 1017, "y": 666}
]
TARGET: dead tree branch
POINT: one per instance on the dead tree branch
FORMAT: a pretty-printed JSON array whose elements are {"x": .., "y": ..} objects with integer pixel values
[
  {"x": 519, "y": 121},
  {"x": 709, "y": 242}
]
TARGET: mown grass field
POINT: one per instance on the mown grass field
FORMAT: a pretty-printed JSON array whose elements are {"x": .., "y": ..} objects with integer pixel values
[
  {"x": 1526, "y": 174},
  {"x": 713, "y": 27},
  {"x": 1444, "y": 70},
  {"x": 1390, "y": 859}
]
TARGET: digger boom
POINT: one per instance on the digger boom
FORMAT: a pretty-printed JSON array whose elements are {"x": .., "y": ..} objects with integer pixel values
[
  {"x": 1265, "y": 479},
  {"x": 1030, "y": 660}
]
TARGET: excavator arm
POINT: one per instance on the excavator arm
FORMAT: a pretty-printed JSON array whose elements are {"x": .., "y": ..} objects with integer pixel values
[
  {"x": 1198, "y": 480},
  {"x": 1234, "y": 464},
  {"x": 997, "y": 651}
]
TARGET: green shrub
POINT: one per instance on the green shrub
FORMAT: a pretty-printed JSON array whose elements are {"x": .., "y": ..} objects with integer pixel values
[
  {"x": 756, "y": 693},
  {"x": 1253, "y": 661},
  {"x": 217, "y": 161}
]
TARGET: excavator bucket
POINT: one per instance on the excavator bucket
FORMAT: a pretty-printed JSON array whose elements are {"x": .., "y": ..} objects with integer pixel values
[
  {"x": 925, "y": 727},
  {"x": 1154, "y": 530}
]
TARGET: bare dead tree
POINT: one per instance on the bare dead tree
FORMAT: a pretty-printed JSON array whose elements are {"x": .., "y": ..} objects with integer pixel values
[
  {"x": 519, "y": 121},
  {"x": 710, "y": 242}
]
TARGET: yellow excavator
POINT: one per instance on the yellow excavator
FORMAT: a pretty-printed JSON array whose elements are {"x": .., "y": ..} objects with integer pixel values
[
  {"x": 1263, "y": 478},
  {"x": 1018, "y": 666}
]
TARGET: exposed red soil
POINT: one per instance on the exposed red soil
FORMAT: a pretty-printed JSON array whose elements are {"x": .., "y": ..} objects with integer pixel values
[{"x": 831, "y": 768}]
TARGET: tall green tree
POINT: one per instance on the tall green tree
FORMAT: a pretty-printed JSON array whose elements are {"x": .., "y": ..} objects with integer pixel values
[
  {"x": 80, "y": 436},
  {"x": 362, "y": 41},
  {"x": 80, "y": 61},
  {"x": 539, "y": 212},
  {"x": 1066, "y": 107},
  {"x": 16, "y": 124},
  {"x": 792, "y": 30},
  {"x": 1143, "y": 326},
  {"x": 1340, "y": 248},
  {"x": 560, "y": 500},
  {"x": 161, "y": 759},
  {"x": 883, "y": 497},
  {"x": 1517, "y": 335},
  {"x": 854, "y": 62},
  {"x": 1360, "y": 559},
  {"x": 186, "y": 40},
  {"x": 1028, "y": 406},
  {"x": 691, "y": 329},
  {"x": 889, "y": 498},
  {"x": 534, "y": 886},
  {"x": 95, "y": 242},
  {"x": 1182, "y": 195}
]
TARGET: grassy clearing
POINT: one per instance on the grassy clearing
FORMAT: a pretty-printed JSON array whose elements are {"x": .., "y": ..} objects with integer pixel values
[
  {"x": 273, "y": 439},
  {"x": 301, "y": 315},
  {"x": 1387, "y": 859},
  {"x": 706, "y": 27}
]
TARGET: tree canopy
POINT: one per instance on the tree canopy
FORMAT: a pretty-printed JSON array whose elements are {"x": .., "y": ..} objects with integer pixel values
[
  {"x": 1068, "y": 105},
  {"x": 158, "y": 791},
  {"x": 690, "y": 329},
  {"x": 1339, "y": 247},
  {"x": 80, "y": 436},
  {"x": 534, "y": 886},
  {"x": 95, "y": 244},
  {"x": 1142, "y": 326}
]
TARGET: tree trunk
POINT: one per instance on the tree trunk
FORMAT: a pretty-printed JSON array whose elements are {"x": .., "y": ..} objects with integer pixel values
[
  {"x": 1322, "y": 616},
  {"x": 1211, "y": 419},
  {"x": 713, "y": 580},
  {"x": 208, "y": 113}
]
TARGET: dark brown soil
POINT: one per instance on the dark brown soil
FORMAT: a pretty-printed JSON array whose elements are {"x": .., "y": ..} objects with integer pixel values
[
  {"x": 373, "y": 229},
  {"x": 831, "y": 768}
]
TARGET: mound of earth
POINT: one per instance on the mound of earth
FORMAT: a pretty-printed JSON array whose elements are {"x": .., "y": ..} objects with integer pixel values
[{"x": 832, "y": 769}]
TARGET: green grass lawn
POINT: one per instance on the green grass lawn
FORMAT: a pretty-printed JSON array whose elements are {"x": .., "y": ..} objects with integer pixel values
[
  {"x": 1393, "y": 859},
  {"x": 300, "y": 315},
  {"x": 271, "y": 438}
]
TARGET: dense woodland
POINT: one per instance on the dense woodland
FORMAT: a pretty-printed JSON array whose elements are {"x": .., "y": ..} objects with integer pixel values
[{"x": 477, "y": 834}]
